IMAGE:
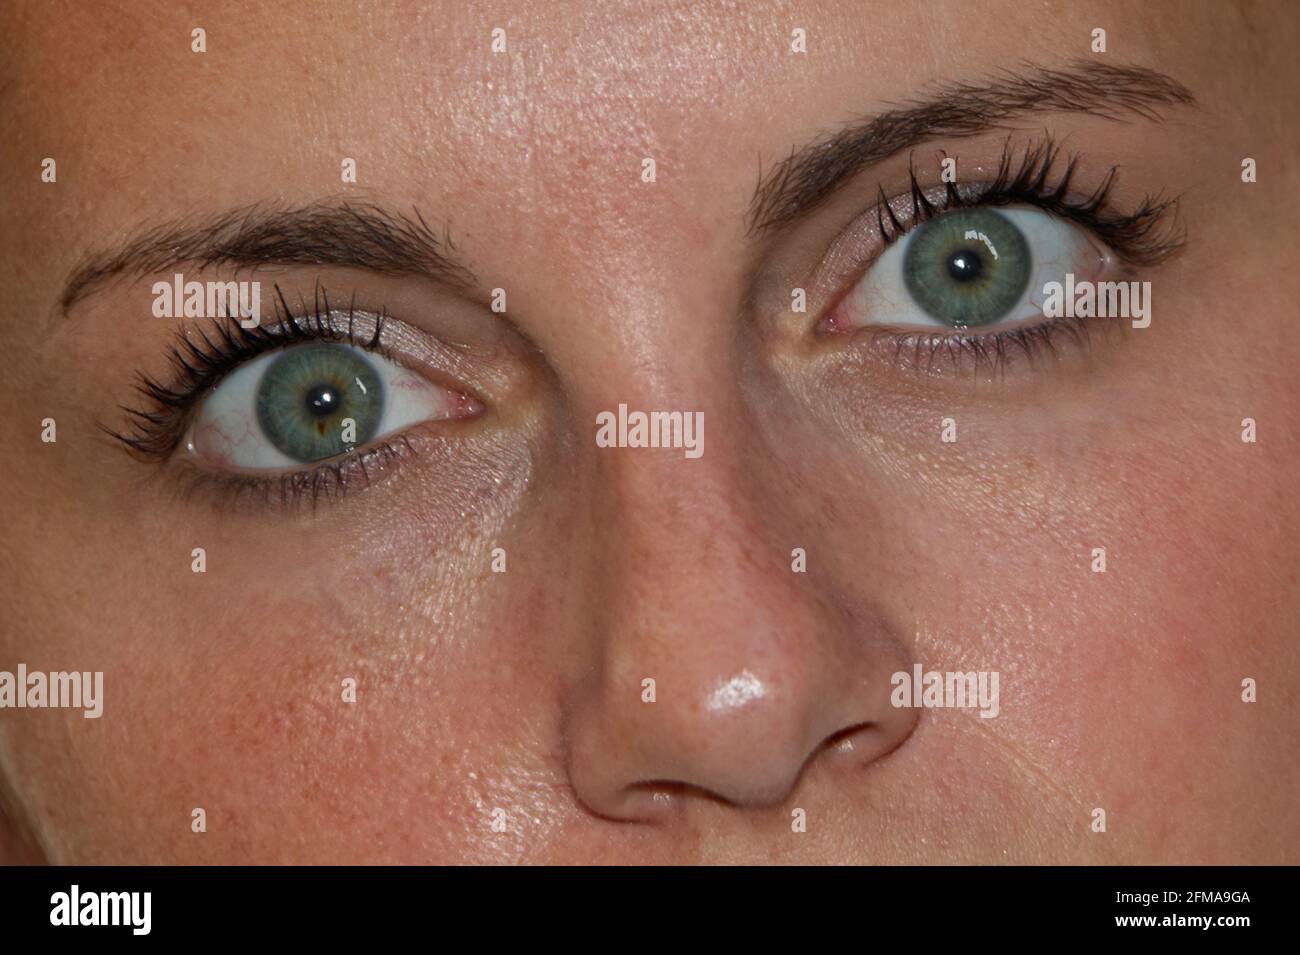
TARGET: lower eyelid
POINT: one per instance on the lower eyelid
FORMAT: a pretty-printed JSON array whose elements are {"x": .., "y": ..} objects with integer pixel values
[
  {"x": 313, "y": 485},
  {"x": 1035, "y": 346}
]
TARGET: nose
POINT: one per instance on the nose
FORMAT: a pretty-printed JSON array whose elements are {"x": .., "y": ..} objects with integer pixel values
[{"x": 717, "y": 669}]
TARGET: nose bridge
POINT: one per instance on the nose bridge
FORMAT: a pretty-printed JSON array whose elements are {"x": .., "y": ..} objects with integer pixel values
[{"x": 681, "y": 534}]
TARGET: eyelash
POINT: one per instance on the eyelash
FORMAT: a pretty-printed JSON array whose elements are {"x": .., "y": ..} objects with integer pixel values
[
  {"x": 1144, "y": 237},
  {"x": 157, "y": 428}
]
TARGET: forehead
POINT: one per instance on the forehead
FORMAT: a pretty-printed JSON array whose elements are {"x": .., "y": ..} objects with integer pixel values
[
  {"x": 576, "y": 86},
  {"x": 551, "y": 133}
]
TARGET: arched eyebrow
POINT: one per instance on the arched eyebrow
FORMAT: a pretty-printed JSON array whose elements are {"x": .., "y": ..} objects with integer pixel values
[
  {"x": 358, "y": 235},
  {"x": 811, "y": 174}
]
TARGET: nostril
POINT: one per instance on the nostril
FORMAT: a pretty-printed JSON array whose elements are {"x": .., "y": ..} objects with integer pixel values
[
  {"x": 843, "y": 739},
  {"x": 661, "y": 798},
  {"x": 655, "y": 798},
  {"x": 863, "y": 742},
  {"x": 649, "y": 801}
]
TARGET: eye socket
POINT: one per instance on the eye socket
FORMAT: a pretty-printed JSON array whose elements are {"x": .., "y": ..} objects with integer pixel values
[
  {"x": 311, "y": 402},
  {"x": 974, "y": 268}
]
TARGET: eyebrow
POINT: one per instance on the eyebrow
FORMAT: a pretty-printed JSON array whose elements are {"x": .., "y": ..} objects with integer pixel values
[
  {"x": 359, "y": 235},
  {"x": 801, "y": 182}
]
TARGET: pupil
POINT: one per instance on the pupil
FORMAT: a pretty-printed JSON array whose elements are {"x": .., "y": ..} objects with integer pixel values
[
  {"x": 322, "y": 401},
  {"x": 965, "y": 265}
]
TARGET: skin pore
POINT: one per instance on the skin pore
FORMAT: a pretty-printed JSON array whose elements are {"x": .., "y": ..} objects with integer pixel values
[{"x": 522, "y": 691}]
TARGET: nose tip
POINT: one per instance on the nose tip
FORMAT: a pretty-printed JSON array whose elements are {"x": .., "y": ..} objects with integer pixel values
[{"x": 746, "y": 741}]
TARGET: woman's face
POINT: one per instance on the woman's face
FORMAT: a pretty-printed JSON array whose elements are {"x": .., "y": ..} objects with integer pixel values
[{"x": 437, "y": 647}]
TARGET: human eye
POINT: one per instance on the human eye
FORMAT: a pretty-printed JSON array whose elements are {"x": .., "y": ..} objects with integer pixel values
[
  {"x": 308, "y": 403},
  {"x": 978, "y": 269},
  {"x": 303, "y": 406},
  {"x": 966, "y": 272}
]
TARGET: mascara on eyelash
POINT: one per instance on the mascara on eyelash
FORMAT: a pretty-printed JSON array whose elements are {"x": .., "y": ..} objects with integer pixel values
[
  {"x": 156, "y": 429},
  {"x": 1145, "y": 236},
  {"x": 1139, "y": 238}
]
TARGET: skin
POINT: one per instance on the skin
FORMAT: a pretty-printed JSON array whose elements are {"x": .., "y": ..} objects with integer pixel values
[{"x": 522, "y": 691}]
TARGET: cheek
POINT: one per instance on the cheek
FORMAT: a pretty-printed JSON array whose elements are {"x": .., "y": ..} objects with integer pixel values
[
  {"x": 1118, "y": 682},
  {"x": 1112, "y": 684},
  {"x": 224, "y": 690},
  {"x": 306, "y": 737}
]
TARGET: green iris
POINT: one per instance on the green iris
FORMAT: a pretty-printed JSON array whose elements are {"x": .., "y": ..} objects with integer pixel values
[
  {"x": 308, "y": 394},
  {"x": 968, "y": 267}
]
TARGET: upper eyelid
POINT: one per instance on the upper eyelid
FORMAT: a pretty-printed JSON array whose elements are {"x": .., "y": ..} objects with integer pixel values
[
  {"x": 1136, "y": 237},
  {"x": 197, "y": 369},
  {"x": 235, "y": 346}
]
